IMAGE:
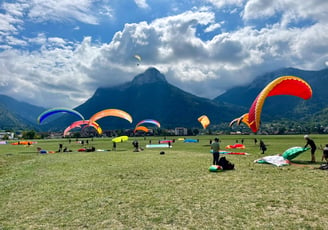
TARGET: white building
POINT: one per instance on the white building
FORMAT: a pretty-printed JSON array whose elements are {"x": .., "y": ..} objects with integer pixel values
[
  {"x": 180, "y": 131},
  {"x": 10, "y": 135}
]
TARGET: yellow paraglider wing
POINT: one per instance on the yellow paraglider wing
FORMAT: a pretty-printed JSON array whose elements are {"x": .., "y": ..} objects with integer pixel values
[{"x": 120, "y": 139}]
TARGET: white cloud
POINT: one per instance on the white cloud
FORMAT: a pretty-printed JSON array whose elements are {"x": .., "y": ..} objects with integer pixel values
[
  {"x": 142, "y": 3},
  {"x": 8, "y": 23},
  {"x": 212, "y": 27},
  {"x": 288, "y": 9},
  {"x": 53, "y": 10},
  {"x": 222, "y": 3},
  {"x": 64, "y": 72},
  {"x": 51, "y": 76}
]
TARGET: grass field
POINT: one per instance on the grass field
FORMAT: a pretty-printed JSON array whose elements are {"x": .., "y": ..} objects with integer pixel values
[{"x": 123, "y": 189}]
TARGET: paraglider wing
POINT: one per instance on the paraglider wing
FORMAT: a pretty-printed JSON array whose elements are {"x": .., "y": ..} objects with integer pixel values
[
  {"x": 285, "y": 85},
  {"x": 52, "y": 111},
  {"x": 151, "y": 121},
  {"x": 76, "y": 124},
  {"x": 96, "y": 126},
  {"x": 243, "y": 118},
  {"x": 141, "y": 128},
  {"x": 236, "y": 120},
  {"x": 204, "y": 120},
  {"x": 293, "y": 152},
  {"x": 110, "y": 112},
  {"x": 136, "y": 56},
  {"x": 120, "y": 139}
]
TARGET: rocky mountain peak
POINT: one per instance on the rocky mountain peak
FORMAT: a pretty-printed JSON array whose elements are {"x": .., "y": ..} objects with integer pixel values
[{"x": 151, "y": 75}]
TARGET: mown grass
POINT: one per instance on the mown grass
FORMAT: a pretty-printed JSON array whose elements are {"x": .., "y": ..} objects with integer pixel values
[{"x": 123, "y": 189}]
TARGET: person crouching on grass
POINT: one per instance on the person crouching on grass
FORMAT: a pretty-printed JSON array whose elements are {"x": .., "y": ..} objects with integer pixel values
[{"x": 325, "y": 153}]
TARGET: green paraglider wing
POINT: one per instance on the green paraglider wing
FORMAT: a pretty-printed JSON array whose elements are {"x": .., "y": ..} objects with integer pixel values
[{"x": 293, "y": 152}]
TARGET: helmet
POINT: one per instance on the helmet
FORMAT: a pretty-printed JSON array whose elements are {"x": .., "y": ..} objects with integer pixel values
[{"x": 306, "y": 136}]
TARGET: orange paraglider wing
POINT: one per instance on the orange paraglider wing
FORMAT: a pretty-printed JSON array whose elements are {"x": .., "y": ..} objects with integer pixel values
[
  {"x": 244, "y": 119},
  {"x": 110, "y": 112},
  {"x": 141, "y": 128},
  {"x": 204, "y": 120},
  {"x": 285, "y": 85}
]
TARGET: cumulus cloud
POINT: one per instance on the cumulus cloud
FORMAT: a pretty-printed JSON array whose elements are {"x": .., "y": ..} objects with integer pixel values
[
  {"x": 65, "y": 72},
  {"x": 288, "y": 10},
  {"x": 141, "y": 3}
]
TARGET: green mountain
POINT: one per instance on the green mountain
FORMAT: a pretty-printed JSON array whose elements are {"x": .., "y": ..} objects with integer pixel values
[
  {"x": 17, "y": 115},
  {"x": 150, "y": 96}
]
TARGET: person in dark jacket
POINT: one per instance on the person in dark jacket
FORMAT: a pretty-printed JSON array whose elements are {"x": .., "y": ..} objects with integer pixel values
[
  {"x": 311, "y": 143},
  {"x": 262, "y": 146}
]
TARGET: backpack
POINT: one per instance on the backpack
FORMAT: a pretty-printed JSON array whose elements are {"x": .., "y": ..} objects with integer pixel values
[
  {"x": 226, "y": 165},
  {"x": 324, "y": 167}
]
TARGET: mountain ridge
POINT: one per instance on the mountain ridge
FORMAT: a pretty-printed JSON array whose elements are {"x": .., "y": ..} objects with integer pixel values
[{"x": 149, "y": 96}]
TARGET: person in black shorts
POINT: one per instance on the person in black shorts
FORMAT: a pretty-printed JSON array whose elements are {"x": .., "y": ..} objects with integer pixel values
[{"x": 311, "y": 143}]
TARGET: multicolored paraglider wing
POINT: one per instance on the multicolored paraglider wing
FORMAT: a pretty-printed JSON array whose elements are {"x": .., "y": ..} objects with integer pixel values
[
  {"x": 110, "y": 112},
  {"x": 96, "y": 126},
  {"x": 151, "y": 121},
  {"x": 78, "y": 124},
  {"x": 244, "y": 119},
  {"x": 236, "y": 120},
  {"x": 286, "y": 85},
  {"x": 75, "y": 125},
  {"x": 52, "y": 111},
  {"x": 204, "y": 120}
]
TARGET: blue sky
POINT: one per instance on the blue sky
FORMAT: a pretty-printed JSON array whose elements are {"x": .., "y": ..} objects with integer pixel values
[{"x": 56, "y": 53}]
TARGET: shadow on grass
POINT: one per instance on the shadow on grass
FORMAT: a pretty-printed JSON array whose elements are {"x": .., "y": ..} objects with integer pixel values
[{"x": 306, "y": 162}]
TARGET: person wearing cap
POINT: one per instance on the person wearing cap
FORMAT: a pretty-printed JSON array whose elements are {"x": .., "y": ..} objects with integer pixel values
[
  {"x": 311, "y": 143},
  {"x": 215, "y": 147}
]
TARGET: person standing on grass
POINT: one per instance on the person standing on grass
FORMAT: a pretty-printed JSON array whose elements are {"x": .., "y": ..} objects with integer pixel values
[
  {"x": 262, "y": 146},
  {"x": 312, "y": 145},
  {"x": 114, "y": 145},
  {"x": 215, "y": 147}
]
